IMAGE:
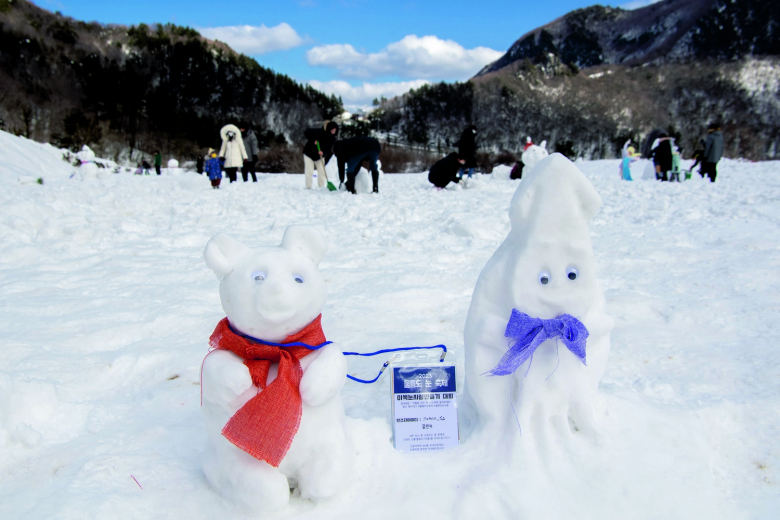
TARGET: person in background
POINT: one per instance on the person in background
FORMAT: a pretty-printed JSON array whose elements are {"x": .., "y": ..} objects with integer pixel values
[
  {"x": 528, "y": 143},
  {"x": 676, "y": 165},
  {"x": 698, "y": 154},
  {"x": 232, "y": 150},
  {"x": 157, "y": 161},
  {"x": 517, "y": 171},
  {"x": 317, "y": 152},
  {"x": 467, "y": 150},
  {"x": 146, "y": 166},
  {"x": 250, "y": 145},
  {"x": 446, "y": 170},
  {"x": 199, "y": 164},
  {"x": 629, "y": 156},
  {"x": 713, "y": 151},
  {"x": 213, "y": 168},
  {"x": 662, "y": 157},
  {"x": 351, "y": 153}
]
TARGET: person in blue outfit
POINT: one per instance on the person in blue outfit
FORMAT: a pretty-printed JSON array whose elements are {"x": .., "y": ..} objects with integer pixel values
[
  {"x": 629, "y": 156},
  {"x": 213, "y": 168},
  {"x": 351, "y": 153}
]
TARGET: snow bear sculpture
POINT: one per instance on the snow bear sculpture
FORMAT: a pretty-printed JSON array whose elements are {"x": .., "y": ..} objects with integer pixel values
[
  {"x": 537, "y": 335},
  {"x": 273, "y": 413},
  {"x": 533, "y": 155}
]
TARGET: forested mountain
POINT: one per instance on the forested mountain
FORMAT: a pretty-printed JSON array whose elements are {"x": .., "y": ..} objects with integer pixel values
[
  {"x": 121, "y": 89},
  {"x": 597, "y": 76}
]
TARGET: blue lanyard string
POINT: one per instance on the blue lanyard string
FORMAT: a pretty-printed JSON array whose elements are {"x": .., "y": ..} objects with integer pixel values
[
  {"x": 317, "y": 347},
  {"x": 387, "y": 363}
]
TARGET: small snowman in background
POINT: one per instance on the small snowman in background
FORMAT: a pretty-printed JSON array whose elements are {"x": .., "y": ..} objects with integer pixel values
[
  {"x": 88, "y": 169},
  {"x": 532, "y": 154},
  {"x": 537, "y": 335},
  {"x": 173, "y": 167}
]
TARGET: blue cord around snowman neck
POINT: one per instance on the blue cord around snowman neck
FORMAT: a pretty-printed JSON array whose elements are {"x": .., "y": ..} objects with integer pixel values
[{"x": 365, "y": 354}]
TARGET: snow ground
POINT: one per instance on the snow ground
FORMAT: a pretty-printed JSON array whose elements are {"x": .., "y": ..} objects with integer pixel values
[{"x": 107, "y": 306}]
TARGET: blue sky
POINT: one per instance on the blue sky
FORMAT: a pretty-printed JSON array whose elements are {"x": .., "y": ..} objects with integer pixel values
[{"x": 358, "y": 49}]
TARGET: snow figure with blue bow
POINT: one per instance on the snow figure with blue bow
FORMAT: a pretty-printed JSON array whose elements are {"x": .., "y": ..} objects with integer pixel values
[{"x": 537, "y": 334}]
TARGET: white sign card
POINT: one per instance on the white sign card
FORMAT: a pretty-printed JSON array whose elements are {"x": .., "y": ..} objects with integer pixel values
[{"x": 425, "y": 408}]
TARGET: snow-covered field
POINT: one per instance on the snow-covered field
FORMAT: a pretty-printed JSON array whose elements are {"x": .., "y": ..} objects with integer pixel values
[{"x": 107, "y": 306}]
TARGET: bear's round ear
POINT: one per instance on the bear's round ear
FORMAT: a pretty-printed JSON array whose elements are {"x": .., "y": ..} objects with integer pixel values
[
  {"x": 307, "y": 240},
  {"x": 221, "y": 254}
]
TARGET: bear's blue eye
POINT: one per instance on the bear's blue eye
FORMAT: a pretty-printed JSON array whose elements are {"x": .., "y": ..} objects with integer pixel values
[
  {"x": 258, "y": 276},
  {"x": 544, "y": 278},
  {"x": 298, "y": 278},
  {"x": 572, "y": 273}
]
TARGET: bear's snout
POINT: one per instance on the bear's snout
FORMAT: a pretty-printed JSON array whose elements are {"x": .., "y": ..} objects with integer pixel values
[{"x": 274, "y": 303}]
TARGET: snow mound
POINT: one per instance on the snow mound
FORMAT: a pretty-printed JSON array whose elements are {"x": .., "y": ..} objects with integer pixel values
[{"x": 108, "y": 307}]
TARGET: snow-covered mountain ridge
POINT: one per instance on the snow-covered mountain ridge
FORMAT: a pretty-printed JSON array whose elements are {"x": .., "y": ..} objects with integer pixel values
[{"x": 670, "y": 31}]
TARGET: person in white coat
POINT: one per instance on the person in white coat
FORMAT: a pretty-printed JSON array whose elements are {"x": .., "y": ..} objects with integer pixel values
[{"x": 232, "y": 150}]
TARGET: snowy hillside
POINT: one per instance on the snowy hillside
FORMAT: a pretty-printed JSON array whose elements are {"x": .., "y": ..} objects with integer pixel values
[{"x": 107, "y": 307}]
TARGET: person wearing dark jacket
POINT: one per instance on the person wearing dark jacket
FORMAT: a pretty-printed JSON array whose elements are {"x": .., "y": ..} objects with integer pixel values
[
  {"x": 146, "y": 166},
  {"x": 467, "y": 149},
  {"x": 698, "y": 155},
  {"x": 199, "y": 164},
  {"x": 446, "y": 170},
  {"x": 662, "y": 158},
  {"x": 250, "y": 145},
  {"x": 713, "y": 151},
  {"x": 351, "y": 153},
  {"x": 317, "y": 151},
  {"x": 157, "y": 161}
]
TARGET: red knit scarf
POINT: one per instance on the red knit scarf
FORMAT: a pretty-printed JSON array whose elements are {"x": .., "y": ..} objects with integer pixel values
[{"x": 265, "y": 426}]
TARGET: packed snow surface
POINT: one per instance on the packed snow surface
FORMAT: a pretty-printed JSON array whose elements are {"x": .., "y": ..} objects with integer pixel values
[{"x": 108, "y": 305}]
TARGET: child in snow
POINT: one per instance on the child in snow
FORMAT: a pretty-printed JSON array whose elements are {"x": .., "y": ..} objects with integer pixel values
[
  {"x": 629, "y": 156},
  {"x": 146, "y": 166},
  {"x": 698, "y": 155},
  {"x": 517, "y": 170},
  {"x": 213, "y": 168},
  {"x": 676, "y": 155}
]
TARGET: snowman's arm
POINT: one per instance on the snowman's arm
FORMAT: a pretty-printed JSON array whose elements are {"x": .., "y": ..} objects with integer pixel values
[
  {"x": 324, "y": 376},
  {"x": 485, "y": 345},
  {"x": 225, "y": 377}
]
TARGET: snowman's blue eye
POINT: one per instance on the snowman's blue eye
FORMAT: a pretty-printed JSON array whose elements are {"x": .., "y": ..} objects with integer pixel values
[
  {"x": 544, "y": 278},
  {"x": 298, "y": 278},
  {"x": 572, "y": 273},
  {"x": 258, "y": 276}
]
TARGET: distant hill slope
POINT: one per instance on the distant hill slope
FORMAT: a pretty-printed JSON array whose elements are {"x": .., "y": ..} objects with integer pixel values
[
  {"x": 121, "y": 89},
  {"x": 671, "y": 31},
  {"x": 596, "y": 77}
]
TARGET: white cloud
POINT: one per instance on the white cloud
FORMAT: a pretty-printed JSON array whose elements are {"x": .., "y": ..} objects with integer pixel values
[
  {"x": 412, "y": 57},
  {"x": 638, "y": 4},
  {"x": 363, "y": 95},
  {"x": 254, "y": 40}
]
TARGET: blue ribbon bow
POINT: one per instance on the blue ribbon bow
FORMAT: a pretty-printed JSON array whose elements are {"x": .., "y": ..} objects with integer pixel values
[{"x": 528, "y": 333}]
